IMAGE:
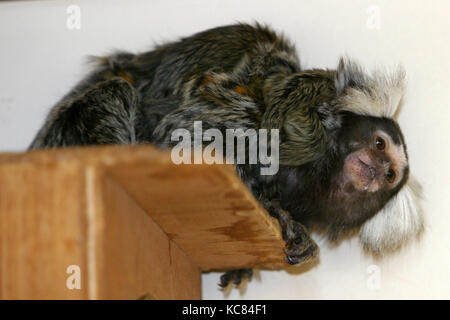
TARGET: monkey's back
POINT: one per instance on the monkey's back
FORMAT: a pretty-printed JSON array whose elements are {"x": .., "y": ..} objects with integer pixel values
[
  {"x": 163, "y": 71},
  {"x": 159, "y": 76}
]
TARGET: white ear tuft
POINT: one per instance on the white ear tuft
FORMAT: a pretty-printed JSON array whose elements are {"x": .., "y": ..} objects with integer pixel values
[
  {"x": 399, "y": 221},
  {"x": 377, "y": 94}
]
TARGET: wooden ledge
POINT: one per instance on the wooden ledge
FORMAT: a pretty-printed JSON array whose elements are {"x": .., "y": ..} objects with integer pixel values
[{"x": 135, "y": 223}]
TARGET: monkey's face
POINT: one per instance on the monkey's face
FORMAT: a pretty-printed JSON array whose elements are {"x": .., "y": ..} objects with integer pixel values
[{"x": 374, "y": 163}]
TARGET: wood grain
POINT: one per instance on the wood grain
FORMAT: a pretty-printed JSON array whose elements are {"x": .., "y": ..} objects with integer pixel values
[
  {"x": 135, "y": 256},
  {"x": 42, "y": 231},
  {"x": 207, "y": 212}
]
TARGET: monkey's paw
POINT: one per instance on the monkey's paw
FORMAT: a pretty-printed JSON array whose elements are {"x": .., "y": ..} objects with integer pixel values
[
  {"x": 235, "y": 276},
  {"x": 300, "y": 247}
]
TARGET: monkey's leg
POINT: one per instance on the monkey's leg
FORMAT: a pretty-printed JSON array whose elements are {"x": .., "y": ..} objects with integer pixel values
[
  {"x": 300, "y": 247},
  {"x": 103, "y": 114}
]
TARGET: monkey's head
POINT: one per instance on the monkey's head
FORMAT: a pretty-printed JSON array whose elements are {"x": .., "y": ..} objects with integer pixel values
[
  {"x": 374, "y": 180},
  {"x": 364, "y": 181}
]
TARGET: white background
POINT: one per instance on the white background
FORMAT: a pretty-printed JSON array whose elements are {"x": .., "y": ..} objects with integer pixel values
[{"x": 40, "y": 59}]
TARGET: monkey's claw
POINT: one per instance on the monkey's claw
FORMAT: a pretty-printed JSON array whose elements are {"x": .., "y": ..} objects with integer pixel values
[
  {"x": 300, "y": 247},
  {"x": 235, "y": 277},
  {"x": 300, "y": 254}
]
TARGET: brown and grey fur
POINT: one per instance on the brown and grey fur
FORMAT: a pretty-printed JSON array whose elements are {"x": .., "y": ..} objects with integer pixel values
[{"x": 247, "y": 77}]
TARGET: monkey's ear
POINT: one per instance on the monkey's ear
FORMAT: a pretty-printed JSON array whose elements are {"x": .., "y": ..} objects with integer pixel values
[
  {"x": 377, "y": 94},
  {"x": 349, "y": 74},
  {"x": 397, "y": 223}
]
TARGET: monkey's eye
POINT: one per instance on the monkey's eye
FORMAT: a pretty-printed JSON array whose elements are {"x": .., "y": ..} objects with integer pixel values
[
  {"x": 390, "y": 176},
  {"x": 380, "y": 143}
]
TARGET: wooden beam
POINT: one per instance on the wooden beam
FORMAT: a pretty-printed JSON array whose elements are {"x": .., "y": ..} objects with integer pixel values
[{"x": 136, "y": 224}]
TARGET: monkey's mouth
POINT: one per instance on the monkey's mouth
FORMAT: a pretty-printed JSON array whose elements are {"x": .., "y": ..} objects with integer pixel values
[{"x": 360, "y": 168}]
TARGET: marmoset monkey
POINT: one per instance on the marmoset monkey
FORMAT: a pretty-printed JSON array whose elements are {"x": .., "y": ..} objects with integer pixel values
[{"x": 343, "y": 159}]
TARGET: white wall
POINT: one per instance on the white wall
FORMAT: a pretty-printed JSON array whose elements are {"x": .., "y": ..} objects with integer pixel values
[{"x": 40, "y": 59}]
